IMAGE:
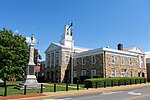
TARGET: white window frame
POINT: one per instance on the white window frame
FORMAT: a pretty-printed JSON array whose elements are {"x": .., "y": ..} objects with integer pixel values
[
  {"x": 75, "y": 62},
  {"x": 67, "y": 58},
  {"x": 74, "y": 73},
  {"x": 131, "y": 73},
  {"x": 83, "y": 61},
  {"x": 83, "y": 73},
  {"x": 113, "y": 73},
  {"x": 93, "y": 59},
  {"x": 123, "y": 73},
  {"x": 113, "y": 59},
  {"x": 131, "y": 61},
  {"x": 93, "y": 73},
  {"x": 122, "y": 60},
  {"x": 57, "y": 57}
]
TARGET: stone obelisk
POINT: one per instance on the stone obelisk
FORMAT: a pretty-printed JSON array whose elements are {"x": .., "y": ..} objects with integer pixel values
[{"x": 30, "y": 79}]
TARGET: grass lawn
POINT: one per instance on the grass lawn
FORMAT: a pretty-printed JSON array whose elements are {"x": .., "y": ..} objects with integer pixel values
[{"x": 11, "y": 90}]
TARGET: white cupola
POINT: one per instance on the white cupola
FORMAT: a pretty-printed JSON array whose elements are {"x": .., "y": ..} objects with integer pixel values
[{"x": 66, "y": 38}]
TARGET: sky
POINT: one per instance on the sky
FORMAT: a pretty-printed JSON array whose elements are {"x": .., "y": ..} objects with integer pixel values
[{"x": 96, "y": 23}]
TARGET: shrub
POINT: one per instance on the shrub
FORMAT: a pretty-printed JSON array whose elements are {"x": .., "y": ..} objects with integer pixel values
[{"x": 113, "y": 81}]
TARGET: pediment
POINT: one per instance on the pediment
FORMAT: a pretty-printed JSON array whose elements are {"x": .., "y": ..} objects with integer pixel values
[
  {"x": 135, "y": 49},
  {"x": 52, "y": 47}
]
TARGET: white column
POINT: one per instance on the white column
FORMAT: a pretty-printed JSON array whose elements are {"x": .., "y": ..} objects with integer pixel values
[
  {"x": 60, "y": 57},
  {"x": 144, "y": 61},
  {"x": 50, "y": 59},
  {"x": 139, "y": 61},
  {"x": 54, "y": 59}
]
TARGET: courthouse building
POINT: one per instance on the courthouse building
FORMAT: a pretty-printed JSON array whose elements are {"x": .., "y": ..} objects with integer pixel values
[{"x": 100, "y": 62}]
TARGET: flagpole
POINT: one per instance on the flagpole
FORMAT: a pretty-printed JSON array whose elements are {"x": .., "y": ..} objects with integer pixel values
[
  {"x": 71, "y": 54},
  {"x": 72, "y": 62}
]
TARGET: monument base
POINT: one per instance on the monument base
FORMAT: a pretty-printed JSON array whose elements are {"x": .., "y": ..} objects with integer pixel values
[{"x": 31, "y": 83}]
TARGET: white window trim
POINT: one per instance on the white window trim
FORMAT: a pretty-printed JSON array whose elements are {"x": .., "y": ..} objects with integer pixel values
[
  {"x": 114, "y": 73},
  {"x": 123, "y": 72},
  {"x": 131, "y": 60},
  {"x": 93, "y": 73},
  {"x": 75, "y": 62},
  {"x": 58, "y": 56},
  {"x": 82, "y": 61},
  {"x": 75, "y": 73},
  {"x": 83, "y": 73},
  {"x": 132, "y": 73},
  {"x": 65, "y": 60},
  {"x": 122, "y": 60}
]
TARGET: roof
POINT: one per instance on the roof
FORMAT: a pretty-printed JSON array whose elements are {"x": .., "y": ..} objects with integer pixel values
[
  {"x": 101, "y": 50},
  {"x": 76, "y": 48}
]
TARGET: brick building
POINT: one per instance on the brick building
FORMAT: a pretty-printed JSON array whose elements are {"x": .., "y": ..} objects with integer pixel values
[
  {"x": 107, "y": 62},
  {"x": 148, "y": 65},
  {"x": 100, "y": 62}
]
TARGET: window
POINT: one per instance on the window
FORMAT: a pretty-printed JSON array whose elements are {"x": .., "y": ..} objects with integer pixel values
[
  {"x": 52, "y": 59},
  {"x": 83, "y": 61},
  {"x": 67, "y": 53},
  {"x": 122, "y": 60},
  {"x": 113, "y": 59},
  {"x": 67, "y": 57},
  {"x": 83, "y": 73},
  {"x": 48, "y": 60},
  {"x": 93, "y": 73},
  {"x": 131, "y": 61},
  {"x": 142, "y": 62},
  {"x": 57, "y": 57},
  {"x": 113, "y": 73},
  {"x": 131, "y": 73},
  {"x": 123, "y": 73},
  {"x": 75, "y": 62},
  {"x": 74, "y": 73},
  {"x": 93, "y": 58}
]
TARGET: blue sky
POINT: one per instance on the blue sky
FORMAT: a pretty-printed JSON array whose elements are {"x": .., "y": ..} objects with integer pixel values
[{"x": 96, "y": 23}]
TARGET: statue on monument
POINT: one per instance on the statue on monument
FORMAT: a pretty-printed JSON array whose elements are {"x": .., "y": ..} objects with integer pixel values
[{"x": 30, "y": 79}]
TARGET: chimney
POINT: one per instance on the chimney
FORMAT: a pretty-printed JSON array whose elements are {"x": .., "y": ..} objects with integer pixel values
[{"x": 120, "y": 46}]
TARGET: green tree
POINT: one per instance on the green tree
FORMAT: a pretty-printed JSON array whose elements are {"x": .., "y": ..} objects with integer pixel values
[{"x": 13, "y": 55}]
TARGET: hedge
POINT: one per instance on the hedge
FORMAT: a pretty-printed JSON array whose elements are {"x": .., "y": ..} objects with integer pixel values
[{"x": 105, "y": 82}]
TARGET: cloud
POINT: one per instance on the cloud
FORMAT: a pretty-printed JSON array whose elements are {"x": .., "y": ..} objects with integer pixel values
[{"x": 16, "y": 31}]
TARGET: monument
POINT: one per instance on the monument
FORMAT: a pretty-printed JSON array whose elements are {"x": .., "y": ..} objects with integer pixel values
[{"x": 30, "y": 79}]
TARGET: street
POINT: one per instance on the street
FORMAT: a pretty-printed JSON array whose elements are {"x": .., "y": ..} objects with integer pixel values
[{"x": 130, "y": 94}]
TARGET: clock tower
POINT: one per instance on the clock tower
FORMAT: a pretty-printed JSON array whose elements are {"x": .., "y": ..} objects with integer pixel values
[{"x": 66, "y": 38}]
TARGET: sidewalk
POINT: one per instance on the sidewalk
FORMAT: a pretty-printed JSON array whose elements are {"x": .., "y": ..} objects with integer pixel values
[{"x": 70, "y": 92}]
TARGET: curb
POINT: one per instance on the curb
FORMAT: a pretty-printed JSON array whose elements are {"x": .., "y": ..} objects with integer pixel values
[{"x": 85, "y": 91}]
